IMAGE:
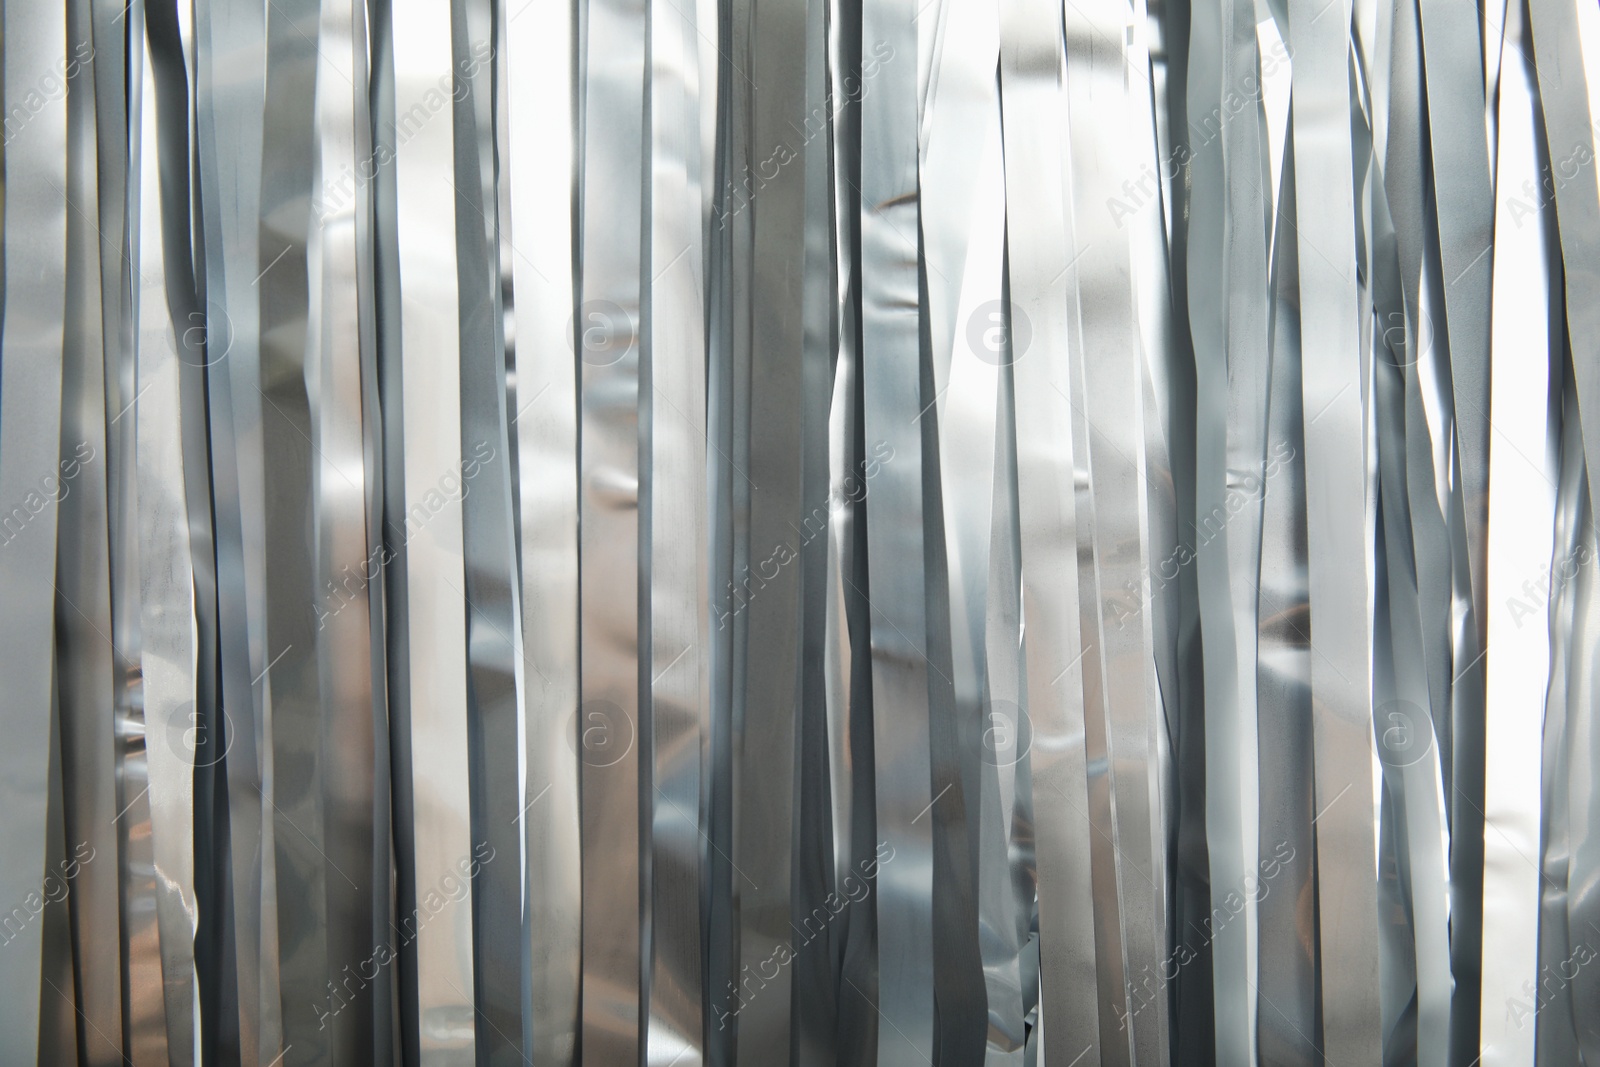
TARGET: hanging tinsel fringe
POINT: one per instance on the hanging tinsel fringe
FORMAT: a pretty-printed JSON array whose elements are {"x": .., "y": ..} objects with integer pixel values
[{"x": 676, "y": 532}]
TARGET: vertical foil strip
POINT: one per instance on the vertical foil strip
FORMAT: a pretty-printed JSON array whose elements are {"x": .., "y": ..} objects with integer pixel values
[
  {"x": 1336, "y": 395},
  {"x": 539, "y": 47},
  {"x": 31, "y": 368},
  {"x": 675, "y": 532},
  {"x": 895, "y": 393},
  {"x": 435, "y": 916},
  {"x": 679, "y": 617},
  {"x": 1048, "y": 492},
  {"x": 611, "y": 404}
]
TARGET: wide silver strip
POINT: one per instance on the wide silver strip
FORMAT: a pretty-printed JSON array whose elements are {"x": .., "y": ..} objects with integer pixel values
[
  {"x": 1565, "y": 37},
  {"x": 963, "y": 193},
  {"x": 493, "y": 710},
  {"x": 1229, "y": 317},
  {"x": 145, "y": 1019},
  {"x": 1334, "y": 390},
  {"x": 962, "y": 196},
  {"x": 1007, "y": 867},
  {"x": 435, "y": 604},
  {"x": 1555, "y": 1002},
  {"x": 167, "y": 667},
  {"x": 1284, "y": 878},
  {"x": 680, "y": 657},
  {"x": 1108, "y": 380},
  {"x": 1464, "y": 201},
  {"x": 1522, "y": 473},
  {"x": 892, "y": 370},
  {"x": 1031, "y": 57},
  {"x": 607, "y": 325},
  {"x": 538, "y": 49},
  {"x": 230, "y": 57},
  {"x": 35, "y": 259},
  {"x": 820, "y": 877},
  {"x": 296, "y": 581},
  {"x": 357, "y": 909},
  {"x": 84, "y": 656},
  {"x": 1448, "y": 735}
]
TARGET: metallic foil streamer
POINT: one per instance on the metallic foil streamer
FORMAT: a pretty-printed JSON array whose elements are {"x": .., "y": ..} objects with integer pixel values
[{"x": 670, "y": 532}]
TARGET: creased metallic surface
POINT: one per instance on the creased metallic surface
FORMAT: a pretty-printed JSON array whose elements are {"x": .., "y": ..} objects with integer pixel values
[
  {"x": 679, "y": 693},
  {"x": 606, "y": 325},
  {"x": 673, "y": 532},
  {"x": 1334, "y": 388},
  {"x": 31, "y": 356},
  {"x": 538, "y": 163}
]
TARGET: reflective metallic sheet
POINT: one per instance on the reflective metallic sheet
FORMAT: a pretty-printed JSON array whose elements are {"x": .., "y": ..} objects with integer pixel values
[
  {"x": 895, "y": 393},
  {"x": 435, "y": 916},
  {"x": 667, "y": 532},
  {"x": 31, "y": 340},
  {"x": 1047, "y": 494},
  {"x": 612, "y": 670},
  {"x": 1336, "y": 397},
  {"x": 680, "y": 654},
  {"x": 537, "y": 46},
  {"x": 172, "y": 715},
  {"x": 85, "y": 656}
]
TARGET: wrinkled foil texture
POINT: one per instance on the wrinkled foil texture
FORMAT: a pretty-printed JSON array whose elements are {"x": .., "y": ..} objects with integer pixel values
[{"x": 1049, "y": 533}]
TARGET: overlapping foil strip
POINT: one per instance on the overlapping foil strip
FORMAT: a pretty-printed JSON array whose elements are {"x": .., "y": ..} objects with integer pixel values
[{"x": 678, "y": 532}]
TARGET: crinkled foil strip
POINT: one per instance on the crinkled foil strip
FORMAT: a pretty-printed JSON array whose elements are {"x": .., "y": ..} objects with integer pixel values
[{"x": 1044, "y": 533}]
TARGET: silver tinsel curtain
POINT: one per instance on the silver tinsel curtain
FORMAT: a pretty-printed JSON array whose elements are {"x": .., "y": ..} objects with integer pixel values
[{"x": 764, "y": 532}]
